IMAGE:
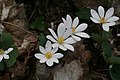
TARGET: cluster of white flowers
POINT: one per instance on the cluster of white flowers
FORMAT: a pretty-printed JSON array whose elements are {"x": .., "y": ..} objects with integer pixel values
[{"x": 68, "y": 33}]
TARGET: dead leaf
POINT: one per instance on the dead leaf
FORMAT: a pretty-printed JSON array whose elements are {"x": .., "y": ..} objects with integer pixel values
[
  {"x": 71, "y": 71},
  {"x": 81, "y": 53}
]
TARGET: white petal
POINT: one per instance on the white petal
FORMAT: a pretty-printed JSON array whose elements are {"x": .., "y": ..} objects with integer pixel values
[
  {"x": 55, "y": 45},
  {"x": 6, "y": 56},
  {"x": 112, "y": 19},
  {"x": 75, "y": 22},
  {"x": 61, "y": 29},
  {"x": 39, "y": 56},
  {"x": 70, "y": 47},
  {"x": 49, "y": 62},
  {"x": 42, "y": 50},
  {"x": 8, "y": 51},
  {"x": 62, "y": 47},
  {"x": 51, "y": 38},
  {"x": 76, "y": 38},
  {"x": 63, "y": 20},
  {"x": 70, "y": 40},
  {"x": 94, "y": 14},
  {"x": 55, "y": 60},
  {"x": 109, "y": 24},
  {"x": 58, "y": 55},
  {"x": 83, "y": 34},
  {"x": 94, "y": 20},
  {"x": 109, "y": 13},
  {"x": 81, "y": 27},
  {"x": 48, "y": 46},
  {"x": 1, "y": 57},
  {"x": 43, "y": 60},
  {"x": 105, "y": 27},
  {"x": 101, "y": 11},
  {"x": 67, "y": 33},
  {"x": 54, "y": 50},
  {"x": 69, "y": 21},
  {"x": 53, "y": 33}
]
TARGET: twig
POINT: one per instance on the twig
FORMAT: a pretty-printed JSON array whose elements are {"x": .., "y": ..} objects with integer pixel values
[
  {"x": 32, "y": 14},
  {"x": 17, "y": 27}
]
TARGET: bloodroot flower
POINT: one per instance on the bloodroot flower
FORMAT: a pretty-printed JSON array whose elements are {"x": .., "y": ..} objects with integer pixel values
[
  {"x": 4, "y": 54},
  {"x": 106, "y": 19},
  {"x": 63, "y": 40},
  {"x": 77, "y": 30},
  {"x": 48, "y": 55}
]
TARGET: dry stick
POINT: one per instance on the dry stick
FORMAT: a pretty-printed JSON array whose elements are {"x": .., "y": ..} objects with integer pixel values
[
  {"x": 32, "y": 14},
  {"x": 17, "y": 27}
]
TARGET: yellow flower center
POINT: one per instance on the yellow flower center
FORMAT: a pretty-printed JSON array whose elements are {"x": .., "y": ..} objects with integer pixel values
[
  {"x": 60, "y": 40},
  {"x": 73, "y": 29},
  {"x": 1, "y": 51},
  {"x": 102, "y": 20},
  {"x": 48, "y": 55}
]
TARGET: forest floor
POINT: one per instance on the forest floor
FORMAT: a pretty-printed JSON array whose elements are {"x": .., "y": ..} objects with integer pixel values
[{"x": 43, "y": 14}]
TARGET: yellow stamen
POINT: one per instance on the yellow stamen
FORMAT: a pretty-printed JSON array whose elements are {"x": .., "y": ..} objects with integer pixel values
[
  {"x": 60, "y": 40},
  {"x": 48, "y": 55},
  {"x": 1, "y": 51},
  {"x": 73, "y": 29},
  {"x": 102, "y": 20}
]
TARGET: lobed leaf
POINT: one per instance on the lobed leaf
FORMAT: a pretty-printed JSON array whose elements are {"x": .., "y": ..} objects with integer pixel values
[
  {"x": 106, "y": 49},
  {"x": 7, "y": 41}
]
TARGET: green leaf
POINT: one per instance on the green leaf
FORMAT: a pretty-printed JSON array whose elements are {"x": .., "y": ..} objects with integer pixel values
[
  {"x": 105, "y": 44},
  {"x": 114, "y": 60},
  {"x": 97, "y": 37},
  {"x": 33, "y": 25},
  {"x": 13, "y": 55},
  {"x": 115, "y": 71},
  {"x": 38, "y": 24},
  {"x": 41, "y": 26},
  {"x": 84, "y": 13},
  {"x": 42, "y": 39},
  {"x": 7, "y": 41},
  {"x": 106, "y": 35},
  {"x": 10, "y": 62},
  {"x": 106, "y": 48},
  {"x": 2, "y": 66}
]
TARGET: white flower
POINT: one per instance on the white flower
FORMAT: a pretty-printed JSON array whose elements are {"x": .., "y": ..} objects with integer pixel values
[
  {"x": 63, "y": 41},
  {"x": 106, "y": 19},
  {"x": 76, "y": 29},
  {"x": 4, "y": 54},
  {"x": 48, "y": 55}
]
